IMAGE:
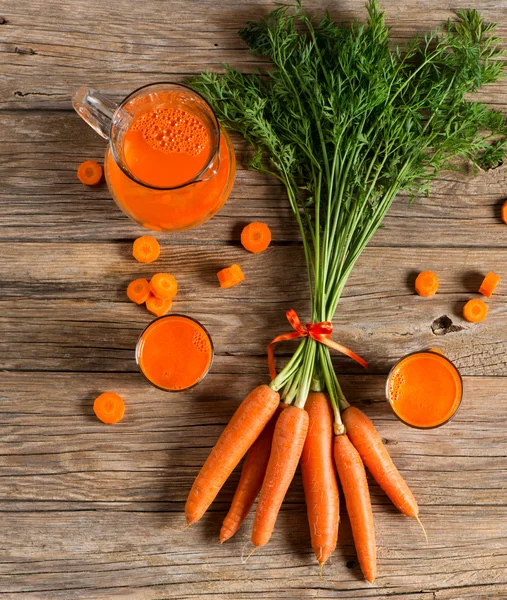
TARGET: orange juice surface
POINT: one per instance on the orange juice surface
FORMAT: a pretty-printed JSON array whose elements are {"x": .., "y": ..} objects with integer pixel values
[
  {"x": 175, "y": 209},
  {"x": 166, "y": 147},
  {"x": 424, "y": 389},
  {"x": 174, "y": 352}
]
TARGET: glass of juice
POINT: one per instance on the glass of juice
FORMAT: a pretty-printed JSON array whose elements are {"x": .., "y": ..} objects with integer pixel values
[
  {"x": 424, "y": 389},
  {"x": 169, "y": 166},
  {"x": 174, "y": 352}
]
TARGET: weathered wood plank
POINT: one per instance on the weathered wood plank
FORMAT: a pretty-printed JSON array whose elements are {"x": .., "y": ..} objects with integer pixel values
[
  {"x": 41, "y": 198},
  {"x": 67, "y": 482},
  {"x": 54, "y": 449},
  {"x": 64, "y": 306},
  {"x": 119, "y": 48}
]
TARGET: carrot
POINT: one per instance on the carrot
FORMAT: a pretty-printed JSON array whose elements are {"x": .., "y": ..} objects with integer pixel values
[
  {"x": 319, "y": 477},
  {"x": 163, "y": 285},
  {"x": 256, "y": 237},
  {"x": 230, "y": 276},
  {"x": 89, "y": 172},
  {"x": 243, "y": 429},
  {"x": 109, "y": 407},
  {"x": 138, "y": 290},
  {"x": 250, "y": 481},
  {"x": 504, "y": 212},
  {"x": 475, "y": 310},
  {"x": 158, "y": 306},
  {"x": 367, "y": 442},
  {"x": 489, "y": 284},
  {"x": 357, "y": 498},
  {"x": 146, "y": 249},
  {"x": 288, "y": 441},
  {"x": 426, "y": 284}
]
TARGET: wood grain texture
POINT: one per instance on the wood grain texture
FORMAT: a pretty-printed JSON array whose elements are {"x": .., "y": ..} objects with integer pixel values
[
  {"x": 120, "y": 46},
  {"x": 94, "y": 512}
]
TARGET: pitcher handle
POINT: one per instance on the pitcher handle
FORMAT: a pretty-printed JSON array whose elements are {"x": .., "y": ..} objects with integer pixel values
[{"x": 96, "y": 109}]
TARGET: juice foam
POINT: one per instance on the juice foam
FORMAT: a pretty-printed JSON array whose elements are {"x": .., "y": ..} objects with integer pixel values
[{"x": 166, "y": 147}]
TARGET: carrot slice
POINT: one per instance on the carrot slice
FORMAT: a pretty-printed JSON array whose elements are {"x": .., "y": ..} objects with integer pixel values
[
  {"x": 89, "y": 172},
  {"x": 504, "y": 212},
  {"x": 256, "y": 237},
  {"x": 489, "y": 284},
  {"x": 163, "y": 285},
  {"x": 158, "y": 306},
  {"x": 475, "y": 311},
  {"x": 426, "y": 284},
  {"x": 230, "y": 276},
  {"x": 138, "y": 290},
  {"x": 146, "y": 249},
  {"x": 109, "y": 407}
]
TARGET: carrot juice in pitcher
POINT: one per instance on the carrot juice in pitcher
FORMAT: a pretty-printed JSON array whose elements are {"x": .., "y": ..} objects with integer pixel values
[{"x": 169, "y": 166}]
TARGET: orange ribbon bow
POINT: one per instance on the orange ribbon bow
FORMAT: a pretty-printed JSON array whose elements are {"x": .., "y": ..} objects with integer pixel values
[{"x": 317, "y": 331}]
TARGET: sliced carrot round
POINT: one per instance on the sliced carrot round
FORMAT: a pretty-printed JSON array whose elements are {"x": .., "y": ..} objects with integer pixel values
[
  {"x": 436, "y": 351},
  {"x": 146, "y": 249},
  {"x": 163, "y": 285},
  {"x": 230, "y": 276},
  {"x": 158, "y": 306},
  {"x": 89, "y": 172},
  {"x": 475, "y": 310},
  {"x": 426, "y": 284},
  {"x": 256, "y": 237},
  {"x": 504, "y": 212},
  {"x": 138, "y": 290},
  {"x": 109, "y": 407},
  {"x": 489, "y": 284}
]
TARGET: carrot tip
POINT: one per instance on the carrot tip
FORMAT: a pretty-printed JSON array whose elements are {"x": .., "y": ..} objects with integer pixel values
[
  {"x": 243, "y": 559},
  {"x": 224, "y": 535},
  {"x": 422, "y": 527},
  {"x": 321, "y": 568}
]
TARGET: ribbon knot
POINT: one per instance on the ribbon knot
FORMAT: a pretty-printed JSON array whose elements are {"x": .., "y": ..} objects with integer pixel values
[{"x": 320, "y": 332}]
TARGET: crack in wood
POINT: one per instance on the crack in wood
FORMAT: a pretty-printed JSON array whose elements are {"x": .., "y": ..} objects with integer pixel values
[
  {"x": 24, "y": 94},
  {"x": 19, "y": 50}
]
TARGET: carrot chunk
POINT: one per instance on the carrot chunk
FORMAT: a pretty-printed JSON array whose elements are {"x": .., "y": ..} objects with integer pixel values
[
  {"x": 138, "y": 290},
  {"x": 163, "y": 285},
  {"x": 256, "y": 237},
  {"x": 158, "y": 306},
  {"x": 504, "y": 212},
  {"x": 109, "y": 407},
  {"x": 489, "y": 284},
  {"x": 89, "y": 172},
  {"x": 230, "y": 276},
  {"x": 475, "y": 311},
  {"x": 146, "y": 249},
  {"x": 426, "y": 284}
]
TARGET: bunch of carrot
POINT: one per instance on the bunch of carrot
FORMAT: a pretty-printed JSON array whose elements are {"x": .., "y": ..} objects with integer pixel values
[
  {"x": 277, "y": 437},
  {"x": 345, "y": 121}
]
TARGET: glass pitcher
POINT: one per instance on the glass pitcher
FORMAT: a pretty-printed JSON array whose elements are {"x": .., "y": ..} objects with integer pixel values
[{"x": 168, "y": 165}]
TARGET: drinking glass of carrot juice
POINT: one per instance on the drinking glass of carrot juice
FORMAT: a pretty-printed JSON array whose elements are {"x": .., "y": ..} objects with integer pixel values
[
  {"x": 168, "y": 166},
  {"x": 174, "y": 352},
  {"x": 424, "y": 389}
]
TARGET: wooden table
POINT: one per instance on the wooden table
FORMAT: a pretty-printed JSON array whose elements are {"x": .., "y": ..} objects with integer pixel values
[{"x": 93, "y": 511}]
